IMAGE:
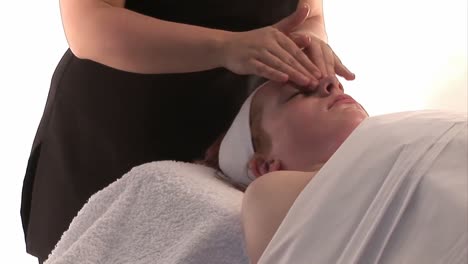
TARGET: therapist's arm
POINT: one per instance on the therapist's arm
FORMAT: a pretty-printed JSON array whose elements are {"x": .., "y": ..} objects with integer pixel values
[
  {"x": 105, "y": 32},
  {"x": 321, "y": 55},
  {"x": 315, "y": 22},
  {"x": 265, "y": 204}
]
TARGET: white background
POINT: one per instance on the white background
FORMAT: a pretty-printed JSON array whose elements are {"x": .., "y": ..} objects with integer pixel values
[{"x": 407, "y": 55}]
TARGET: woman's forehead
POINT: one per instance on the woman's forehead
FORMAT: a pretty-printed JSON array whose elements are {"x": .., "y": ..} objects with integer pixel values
[
  {"x": 268, "y": 96},
  {"x": 270, "y": 91}
]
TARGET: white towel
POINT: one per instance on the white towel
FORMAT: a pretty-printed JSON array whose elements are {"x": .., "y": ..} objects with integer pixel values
[
  {"x": 161, "y": 212},
  {"x": 395, "y": 192}
]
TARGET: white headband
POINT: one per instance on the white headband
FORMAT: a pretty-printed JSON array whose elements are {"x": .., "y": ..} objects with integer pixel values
[{"x": 237, "y": 148}]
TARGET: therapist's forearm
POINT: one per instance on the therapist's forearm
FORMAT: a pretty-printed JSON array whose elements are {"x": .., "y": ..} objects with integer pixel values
[
  {"x": 316, "y": 26},
  {"x": 314, "y": 23},
  {"x": 132, "y": 42}
]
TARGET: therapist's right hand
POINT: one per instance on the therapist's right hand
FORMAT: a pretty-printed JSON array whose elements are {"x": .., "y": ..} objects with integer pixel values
[{"x": 271, "y": 52}]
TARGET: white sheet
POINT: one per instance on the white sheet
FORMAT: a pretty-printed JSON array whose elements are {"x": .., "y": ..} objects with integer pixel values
[
  {"x": 162, "y": 212},
  {"x": 395, "y": 192}
]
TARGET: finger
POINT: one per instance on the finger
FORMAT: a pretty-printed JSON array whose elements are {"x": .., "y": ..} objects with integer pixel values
[
  {"x": 294, "y": 56},
  {"x": 277, "y": 50},
  {"x": 292, "y": 21},
  {"x": 290, "y": 60},
  {"x": 314, "y": 52},
  {"x": 302, "y": 41},
  {"x": 312, "y": 71},
  {"x": 329, "y": 59},
  {"x": 295, "y": 65},
  {"x": 274, "y": 61},
  {"x": 342, "y": 71},
  {"x": 265, "y": 71},
  {"x": 305, "y": 88}
]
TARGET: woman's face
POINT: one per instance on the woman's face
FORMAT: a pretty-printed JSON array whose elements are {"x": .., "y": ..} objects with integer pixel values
[{"x": 307, "y": 128}]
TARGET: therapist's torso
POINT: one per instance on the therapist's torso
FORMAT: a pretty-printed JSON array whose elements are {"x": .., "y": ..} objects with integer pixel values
[{"x": 99, "y": 122}]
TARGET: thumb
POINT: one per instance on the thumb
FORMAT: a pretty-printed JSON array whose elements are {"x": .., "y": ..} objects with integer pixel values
[
  {"x": 302, "y": 41},
  {"x": 292, "y": 21}
]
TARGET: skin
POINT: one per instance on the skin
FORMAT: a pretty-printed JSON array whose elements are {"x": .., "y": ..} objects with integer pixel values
[
  {"x": 304, "y": 129},
  {"x": 305, "y": 132},
  {"x": 320, "y": 52},
  {"x": 105, "y": 32}
]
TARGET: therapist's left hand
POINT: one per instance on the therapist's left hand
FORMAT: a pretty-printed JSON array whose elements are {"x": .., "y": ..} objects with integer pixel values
[{"x": 329, "y": 64}]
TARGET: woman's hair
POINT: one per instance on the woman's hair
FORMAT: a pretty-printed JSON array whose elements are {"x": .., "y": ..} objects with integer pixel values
[
  {"x": 261, "y": 142},
  {"x": 211, "y": 160},
  {"x": 211, "y": 154}
]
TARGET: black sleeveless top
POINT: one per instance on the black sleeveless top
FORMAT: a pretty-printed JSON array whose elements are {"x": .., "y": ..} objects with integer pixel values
[{"x": 100, "y": 122}]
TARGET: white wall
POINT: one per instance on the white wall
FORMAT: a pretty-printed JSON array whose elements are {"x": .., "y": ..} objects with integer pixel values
[
  {"x": 31, "y": 44},
  {"x": 407, "y": 55}
]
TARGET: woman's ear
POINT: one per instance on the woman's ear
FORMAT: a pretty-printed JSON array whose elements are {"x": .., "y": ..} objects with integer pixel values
[{"x": 259, "y": 165}]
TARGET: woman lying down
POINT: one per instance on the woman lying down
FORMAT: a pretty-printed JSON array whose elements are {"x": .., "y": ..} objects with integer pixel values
[{"x": 331, "y": 185}]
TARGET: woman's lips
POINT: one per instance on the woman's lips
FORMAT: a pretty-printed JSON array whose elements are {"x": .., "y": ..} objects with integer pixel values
[{"x": 342, "y": 99}]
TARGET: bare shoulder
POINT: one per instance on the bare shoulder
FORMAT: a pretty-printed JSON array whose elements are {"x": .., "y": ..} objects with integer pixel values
[
  {"x": 274, "y": 193},
  {"x": 279, "y": 182},
  {"x": 265, "y": 204}
]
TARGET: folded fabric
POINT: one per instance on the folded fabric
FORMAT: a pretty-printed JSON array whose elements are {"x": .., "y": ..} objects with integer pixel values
[
  {"x": 394, "y": 192},
  {"x": 161, "y": 212}
]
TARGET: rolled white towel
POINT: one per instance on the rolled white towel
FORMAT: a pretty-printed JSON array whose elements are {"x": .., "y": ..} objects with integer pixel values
[{"x": 161, "y": 212}]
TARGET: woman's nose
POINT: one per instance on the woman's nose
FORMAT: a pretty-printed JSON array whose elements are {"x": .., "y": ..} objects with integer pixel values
[{"x": 330, "y": 85}]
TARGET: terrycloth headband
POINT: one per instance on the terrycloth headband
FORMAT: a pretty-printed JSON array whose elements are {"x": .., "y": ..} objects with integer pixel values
[{"x": 237, "y": 148}]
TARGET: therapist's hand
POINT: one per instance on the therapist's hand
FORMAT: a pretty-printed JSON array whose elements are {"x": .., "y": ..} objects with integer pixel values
[
  {"x": 330, "y": 65},
  {"x": 272, "y": 52}
]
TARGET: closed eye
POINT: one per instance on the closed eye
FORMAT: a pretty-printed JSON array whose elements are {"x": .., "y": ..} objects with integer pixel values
[
  {"x": 305, "y": 93},
  {"x": 293, "y": 95}
]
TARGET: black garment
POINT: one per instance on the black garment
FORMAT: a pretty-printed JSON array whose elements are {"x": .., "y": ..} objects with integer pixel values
[{"x": 100, "y": 122}]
